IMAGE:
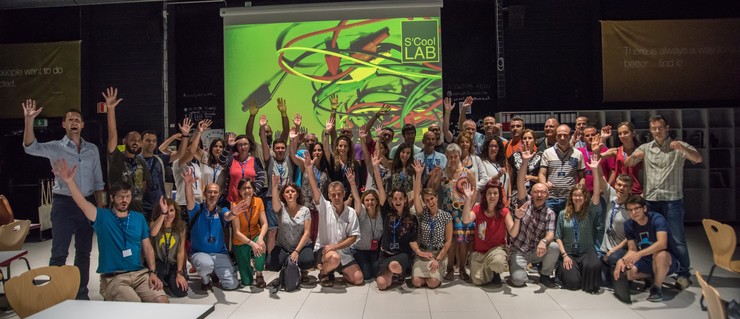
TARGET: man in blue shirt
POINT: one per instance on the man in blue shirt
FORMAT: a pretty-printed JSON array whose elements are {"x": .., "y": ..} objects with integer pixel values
[
  {"x": 208, "y": 246},
  {"x": 649, "y": 254},
  {"x": 123, "y": 236},
  {"x": 66, "y": 217}
]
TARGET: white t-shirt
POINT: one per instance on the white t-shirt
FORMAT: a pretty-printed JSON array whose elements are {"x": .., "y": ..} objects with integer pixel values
[
  {"x": 180, "y": 183},
  {"x": 335, "y": 228}
]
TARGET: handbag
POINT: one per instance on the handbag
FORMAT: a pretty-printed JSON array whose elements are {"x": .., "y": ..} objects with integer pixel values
[
  {"x": 45, "y": 205},
  {"x": 289, "y": 278}
]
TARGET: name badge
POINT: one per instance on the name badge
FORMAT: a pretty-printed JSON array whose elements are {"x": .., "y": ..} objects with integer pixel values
[
  {"x": 589, "y": 172},
  {"x": 561, "y": 174},
  {"x": 211, "y": 240},
  {"x": 126, "y": 253},
  {"x": 394, "y": 246}
]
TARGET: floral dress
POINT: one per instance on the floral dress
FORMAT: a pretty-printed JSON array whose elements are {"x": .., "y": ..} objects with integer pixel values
[{"x": 453, "y": 201}]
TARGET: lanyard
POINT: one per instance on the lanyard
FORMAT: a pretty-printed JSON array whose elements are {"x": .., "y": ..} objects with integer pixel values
[
  {"x": 432, "y": 225},
  {"x": 241, "y": 164},
  {"x": 430, "y": 164},
  {"x": 195, "y": 178},
  {"x": 373, "y": 224},
  {"x": 317, "y": 173},
  {"x": 614, "y": 211},
  {"x": 150, "y": 163},
  {"x": 249, "y": 218},
  {"x": 575, "y": 228},
  {"x": 167, "y": 241},
  {"x": 398, "y": 222},
  {"x": 210, "y": 218},
  {"x": 123, "y": 227},
  {"x": 280, "y": 170},
  {"x": 215, "y": 172}
]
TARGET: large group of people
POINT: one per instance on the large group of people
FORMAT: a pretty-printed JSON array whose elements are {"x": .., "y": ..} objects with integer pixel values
[{"x": 566, "y": 205}]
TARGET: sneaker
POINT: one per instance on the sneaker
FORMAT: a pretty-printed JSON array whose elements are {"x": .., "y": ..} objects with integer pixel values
[
  {"x": 496, "y": 279},
  {"x": 656, "y": 294},
  {"x": 547, "y": 281},
  {"x": 682, "y": 282},
  {"x": 206, "y": 287}
]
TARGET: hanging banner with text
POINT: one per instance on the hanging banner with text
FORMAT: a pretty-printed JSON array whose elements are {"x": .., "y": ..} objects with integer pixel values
[
  {"x": 46, "y": 72},
  {"x": 671, "y": 60}
]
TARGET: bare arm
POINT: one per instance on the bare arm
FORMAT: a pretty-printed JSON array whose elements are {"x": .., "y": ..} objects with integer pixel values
[
  {"x": 309, "y": 164},
  {"x": 418, "y": 168},
  {"x": 165, "y": 146},
  {"x": 448, "y": 107},
  {"x": 249, "y": 129},
  {"x": 111, "y": 101},
  {"x": 598, "y": 180},
  {"x": 283, "y": 108},
  {"x": 521, "y": 175},
  {"x": 263, "y": 140}
]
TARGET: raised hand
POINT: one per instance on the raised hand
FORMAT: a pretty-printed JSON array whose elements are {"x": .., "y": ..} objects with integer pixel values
[
  {"x": 281, "y": 105},
  {"x": 578, "y": 135},
  {"x": 449, "y": 106},
  {"x": 378, "y": 130},
  {"x": 363, "y": 132},
  {"x": 418, "y": 167},
  {"x": 606, "y": 132},
  {"x": 204, "y": 125},
  {"x": 468, "y": 102},
  {"x": 163, "y": 205},
  {"x": 638, "y": 154},
  {"x": 376, "y": 158},
  {"x": 350, "y": 173},
  {"x": 469, "y": 192},
  {"x": 527, "y": 155},
  {"x": 294, "y": 132},
  {"x": 231, "y": 139},
  {"x": 185, "y": 126},
  {"x": 521, "y": 210},
  {"x": 594, "y": 163},
  {"x": 62, "y": 170},
  {"x": 111, "y": 98},
  {"x": 330, "y": 125},
  {"x": 252, "y": 106},
  {"x": 263, "y": 120},
  {"x": 334, "y": 101},
  {"x": 187, "y": 175},
  {"x": 297, "y": 119},
  {"x": 384, "y": 109},
  {"x": 275, "y": 180},
  {"x": 29, "y": 109}
]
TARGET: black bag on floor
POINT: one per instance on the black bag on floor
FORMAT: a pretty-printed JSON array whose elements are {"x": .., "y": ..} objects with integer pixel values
[{"x": 289, "y": 278}]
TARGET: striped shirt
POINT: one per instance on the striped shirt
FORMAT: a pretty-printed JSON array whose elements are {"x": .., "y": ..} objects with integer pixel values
[
  {"x": 663, "y": 170},
  {"x": 535, "y": 224},
  {"x": 562, "y": 169}
]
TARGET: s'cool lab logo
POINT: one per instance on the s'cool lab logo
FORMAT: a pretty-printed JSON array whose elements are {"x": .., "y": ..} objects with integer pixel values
[{"x": 420, "y": 41}]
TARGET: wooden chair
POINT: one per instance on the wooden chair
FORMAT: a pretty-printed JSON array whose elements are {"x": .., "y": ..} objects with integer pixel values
[
  {"x": 27, "y": 297},
  {"x": 716, "y": 306},
  {"x": 723, "y": 242},
  {"x": 12, "y": 237}
]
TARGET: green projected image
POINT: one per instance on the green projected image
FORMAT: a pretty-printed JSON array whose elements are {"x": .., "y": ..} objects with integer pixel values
[{"x": 367, "y": 63}]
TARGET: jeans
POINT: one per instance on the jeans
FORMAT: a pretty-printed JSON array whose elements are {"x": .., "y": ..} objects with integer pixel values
[
  {"x": 220, "y": 264},
  {"x": 272, "y": 222},
  {"x": 556, "y": 204},
  {"x": 518, "y": 263},
  {"x": 67, "y": 220},
  {"x": 673, "y": 212}
]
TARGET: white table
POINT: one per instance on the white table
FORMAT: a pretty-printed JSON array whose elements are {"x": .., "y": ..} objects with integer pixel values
[{"x": 82, "y": 309}]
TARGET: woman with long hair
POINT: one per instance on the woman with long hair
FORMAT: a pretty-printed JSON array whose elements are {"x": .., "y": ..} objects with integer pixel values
[
  {"x": 575, "y": 233},
  {"x": 449, "y": 182},
  {"x": 210, "y": 167},
  {"x": 492, "y": 222},
  {"x": 533, "y": 167},
  {"x": 493, "y": 158},
  {"x": 320, "y": 171},
  {"x": 401, "y": 172},
  {"x": 367, "y": 208},
  {"x": 628, "y": 138},
  {"x": 341, "y": 158},
  {"x": 468, "y": 158},
  {"x": 434, "y": 237},
  {"x": 167, "y": 234},
  {"x": 250, "y": 228},
  {"x": 294, "y": 229}
]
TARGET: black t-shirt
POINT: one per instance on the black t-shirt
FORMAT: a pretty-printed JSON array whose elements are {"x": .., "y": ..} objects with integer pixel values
[{"x": 399, "y": 230}]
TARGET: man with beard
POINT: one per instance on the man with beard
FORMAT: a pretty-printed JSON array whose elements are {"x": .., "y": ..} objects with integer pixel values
[
  {"x": 516, "y": 127},
  {"x": 280, "y": 165},
  {"x": 123, "y": 237},
  {"x": 207, "y": 223},
  {"x": 67, "y": 218},
  {"x": 156, "y": 164},
  {"x": 125, "y": 167}
]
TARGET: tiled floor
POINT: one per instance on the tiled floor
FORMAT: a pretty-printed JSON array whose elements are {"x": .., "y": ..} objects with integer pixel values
[{"x": 453, "y": 300}]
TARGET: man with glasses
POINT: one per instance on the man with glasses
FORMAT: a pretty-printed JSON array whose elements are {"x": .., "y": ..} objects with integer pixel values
[
  {"x": 664, "y": 160},
  {"x": 649, "y": 254}
]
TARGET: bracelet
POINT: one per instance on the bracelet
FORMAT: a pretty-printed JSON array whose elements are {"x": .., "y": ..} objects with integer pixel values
[
  {"x": 151, "y": 271},
  {"x": 564, "y": 255}
]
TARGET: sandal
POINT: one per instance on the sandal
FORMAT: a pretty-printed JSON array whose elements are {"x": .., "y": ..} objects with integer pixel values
[
  {"x": 260, "y": 282},
  {"x": 464, "y": 276},
  {"x": 304, "y": 276},
  {"x": 450, "y": 274},
  {"x": 325, "y": 281}
]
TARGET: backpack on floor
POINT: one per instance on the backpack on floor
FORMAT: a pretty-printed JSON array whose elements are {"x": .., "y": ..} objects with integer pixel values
[{"x": 289, "y": 278}]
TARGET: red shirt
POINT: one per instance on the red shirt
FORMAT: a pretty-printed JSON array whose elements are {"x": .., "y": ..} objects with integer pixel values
[
  {"x": 490, "y": 232},
  {"x": 238, "y": 171},
  {"x": 633, "y": 171}
]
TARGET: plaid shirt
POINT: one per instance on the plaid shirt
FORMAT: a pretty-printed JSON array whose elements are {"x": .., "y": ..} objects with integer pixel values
[{"x": 534, "y": 226}]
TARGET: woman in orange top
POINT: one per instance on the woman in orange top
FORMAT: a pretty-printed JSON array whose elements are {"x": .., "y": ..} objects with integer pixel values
[{"x": 250, "y": 228}]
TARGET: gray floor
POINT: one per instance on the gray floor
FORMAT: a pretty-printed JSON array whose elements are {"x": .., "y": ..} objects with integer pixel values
[{"x": 454, "y": 299}]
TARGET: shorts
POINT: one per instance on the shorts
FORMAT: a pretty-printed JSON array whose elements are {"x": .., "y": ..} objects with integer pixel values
[
  {"x": 421, "y": 267},
  {"x": 345, "y": 258},
  {"x": 385, "y": 260},
  {"x": 272, "y": 222},
  {"x": 645, "y": 265},
  {"x": 130, "y": 286}
]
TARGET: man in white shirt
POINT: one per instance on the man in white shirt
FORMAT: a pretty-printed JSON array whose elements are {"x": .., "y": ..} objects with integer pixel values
[{"x": 338, "y": 230}]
